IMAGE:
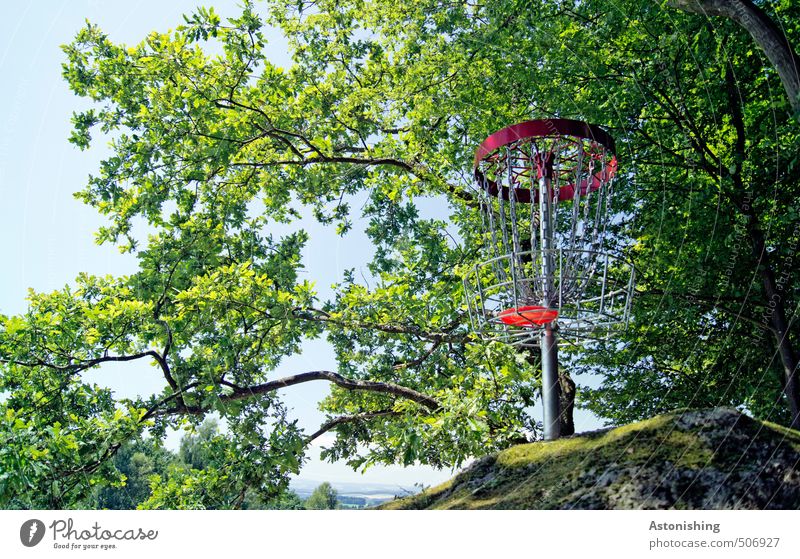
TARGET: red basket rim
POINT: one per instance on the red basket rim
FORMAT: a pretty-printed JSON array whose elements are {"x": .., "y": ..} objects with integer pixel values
[
  {"x": 546, "y": 128},
  {"x": 543, "y": 128}
]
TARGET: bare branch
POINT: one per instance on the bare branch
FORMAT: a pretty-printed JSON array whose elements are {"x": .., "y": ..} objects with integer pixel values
[{"x": 241, "y": 393}]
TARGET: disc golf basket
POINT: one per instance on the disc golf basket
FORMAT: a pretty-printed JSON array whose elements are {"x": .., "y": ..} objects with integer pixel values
[{"x": 545, "y": 200}]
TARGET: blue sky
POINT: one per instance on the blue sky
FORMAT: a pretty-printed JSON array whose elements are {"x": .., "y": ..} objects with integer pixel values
[{"x": 48, "y": 235}]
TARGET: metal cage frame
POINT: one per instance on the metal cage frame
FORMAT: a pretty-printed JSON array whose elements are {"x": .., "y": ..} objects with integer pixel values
[
  {"x": 541, "y": 252},
  {"x": 547, "y": 274}
]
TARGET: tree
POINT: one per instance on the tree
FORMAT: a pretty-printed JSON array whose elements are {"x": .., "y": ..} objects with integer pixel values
[
  {"x": 195, "y": 450},
  {"x": 154, "y": 477},
  {"x": 212, "y": 145},
  {"x": 137, "y": 461},
  {"x": 718, "y": 165},
  {"x": 324, "y": 497},
  {"x": 288, "y": 500},
  {"x": 765, "y": 32},
  {"x": 205, "y": 475}
]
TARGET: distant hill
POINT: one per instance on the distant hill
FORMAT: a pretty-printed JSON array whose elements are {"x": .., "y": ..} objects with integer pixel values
[
  {"x": 703, "y": 459},
  {"x": 352, "y": 493}
]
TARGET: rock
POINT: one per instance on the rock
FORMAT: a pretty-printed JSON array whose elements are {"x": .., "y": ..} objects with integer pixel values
[{"x": 695, "y": 459}]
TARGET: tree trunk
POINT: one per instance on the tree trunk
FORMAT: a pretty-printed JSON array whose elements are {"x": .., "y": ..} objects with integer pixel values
[
  {"x": 776, "y": 309},
  {"x": 566, "y": 396},
  {"x": 567, "y": 402},
  {"x": 765, "y": 33}
]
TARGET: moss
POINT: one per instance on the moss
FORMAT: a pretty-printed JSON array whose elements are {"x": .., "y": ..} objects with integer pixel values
[
  {"x": 420, "y": 500},
  {"x": 675, "y": 460},
  {"x": 791, "y": 436}
]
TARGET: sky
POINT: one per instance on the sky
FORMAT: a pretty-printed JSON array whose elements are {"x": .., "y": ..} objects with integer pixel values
[{"x": 47, "y": 235}]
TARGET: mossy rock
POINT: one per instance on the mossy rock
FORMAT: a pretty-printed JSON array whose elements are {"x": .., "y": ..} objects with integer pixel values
[{"x": 696, "y": 459}]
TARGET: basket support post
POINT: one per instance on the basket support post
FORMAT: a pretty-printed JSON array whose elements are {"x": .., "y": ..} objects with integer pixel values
[
  {"x": 551, "y": 400},
  {"x": 551, "y": 389}
]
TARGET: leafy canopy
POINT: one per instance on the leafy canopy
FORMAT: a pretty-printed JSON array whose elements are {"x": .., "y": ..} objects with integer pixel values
[{"x": 215, "y": 149}]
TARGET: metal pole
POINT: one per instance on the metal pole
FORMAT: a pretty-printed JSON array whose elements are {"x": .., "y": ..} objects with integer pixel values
[
  {"x": 550, "y": 386},
  {"x": 549, "y": 346}
]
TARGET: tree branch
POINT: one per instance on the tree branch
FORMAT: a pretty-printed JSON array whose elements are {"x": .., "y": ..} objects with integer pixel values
[
  {"x": 83, "y": 365},
  {"x": 240, "y": 393},
  {"x": 413, "y": 330},
  {"x": 419, "y": 360},
  {"x": 335, "y": 422},
  {"x": 154, "y": 409}
]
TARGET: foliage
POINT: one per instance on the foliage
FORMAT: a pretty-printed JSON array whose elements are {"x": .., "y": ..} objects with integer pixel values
[{"x": 215, "y": 149}]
